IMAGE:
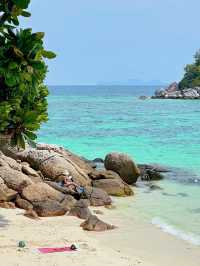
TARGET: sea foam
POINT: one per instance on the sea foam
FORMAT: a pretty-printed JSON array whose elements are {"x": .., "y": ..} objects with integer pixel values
[{"x": 170, "y": 229}]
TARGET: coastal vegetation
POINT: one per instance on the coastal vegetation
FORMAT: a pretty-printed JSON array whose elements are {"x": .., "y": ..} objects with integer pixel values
[
  {"x": 23, "y": 95},
  {"x": 191, "y": 77},
  {"x": 188, "y": 88}
]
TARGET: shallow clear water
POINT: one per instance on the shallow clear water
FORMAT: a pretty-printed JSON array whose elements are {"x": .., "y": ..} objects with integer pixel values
[{"x": 93, "y": 121}]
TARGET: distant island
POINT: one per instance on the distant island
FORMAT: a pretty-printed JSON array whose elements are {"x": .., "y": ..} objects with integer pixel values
[
  {"x": 187, "y": 88},
  {"x": 133, "y": 82}
]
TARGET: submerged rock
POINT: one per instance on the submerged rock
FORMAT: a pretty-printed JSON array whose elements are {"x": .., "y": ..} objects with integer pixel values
[
  {"x": 151, "y": 172},
  {"x": 143, "y": 97},
  {"x": 98, "y": 160},
  {"x": 122, "y": 164}
]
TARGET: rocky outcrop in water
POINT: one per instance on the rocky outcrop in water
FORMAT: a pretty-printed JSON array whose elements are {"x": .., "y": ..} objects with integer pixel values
[
  {"x": 174, "y": 92},
  {"x": 152, "y": 172}
]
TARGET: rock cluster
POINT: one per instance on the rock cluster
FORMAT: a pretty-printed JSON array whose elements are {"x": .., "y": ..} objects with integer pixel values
[
  {"x": 174, "y": 92},
  {"x": 30, "y": 180}
]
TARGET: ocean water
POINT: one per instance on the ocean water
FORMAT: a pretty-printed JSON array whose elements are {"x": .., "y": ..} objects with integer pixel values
[{"x": 94, "y": 120}]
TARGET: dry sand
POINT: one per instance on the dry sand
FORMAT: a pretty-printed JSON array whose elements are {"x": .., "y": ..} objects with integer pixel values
[{"x": 133, "y": 243}]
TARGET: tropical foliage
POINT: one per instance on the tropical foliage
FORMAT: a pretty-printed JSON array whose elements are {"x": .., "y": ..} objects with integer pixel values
[
  {"x": 23, "y": 95},
  {"x": 191, "y": 78}
]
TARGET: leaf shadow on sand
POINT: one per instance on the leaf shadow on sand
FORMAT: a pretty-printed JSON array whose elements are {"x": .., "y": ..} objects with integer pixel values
[{"x": 3, "y": 222}]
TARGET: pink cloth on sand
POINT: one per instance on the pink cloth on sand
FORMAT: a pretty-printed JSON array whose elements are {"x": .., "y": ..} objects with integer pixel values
[{"x": 53, "y": 250}]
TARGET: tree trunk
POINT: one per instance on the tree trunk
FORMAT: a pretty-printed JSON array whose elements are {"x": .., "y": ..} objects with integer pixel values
[{"x": 5, "y": 140}]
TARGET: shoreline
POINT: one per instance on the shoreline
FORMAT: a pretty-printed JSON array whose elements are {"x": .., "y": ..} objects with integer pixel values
[{"x": 134, "y": 242}]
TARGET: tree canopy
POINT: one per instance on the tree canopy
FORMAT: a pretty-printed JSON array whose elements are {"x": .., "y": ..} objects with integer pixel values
[
  {"x": 23, "y": 95},
  {"x": 191, "y": 77}
]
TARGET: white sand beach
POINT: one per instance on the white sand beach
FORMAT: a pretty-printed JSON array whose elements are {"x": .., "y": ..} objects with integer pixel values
[{"x": 132, "y": 243}]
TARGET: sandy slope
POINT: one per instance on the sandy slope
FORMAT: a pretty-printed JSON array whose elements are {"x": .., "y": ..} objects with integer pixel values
[
  {"x": 133, "y": 243},
  {"x": 58, "y": 231}
]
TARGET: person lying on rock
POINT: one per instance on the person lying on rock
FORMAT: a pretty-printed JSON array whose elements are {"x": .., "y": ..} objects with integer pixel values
[{"x": 73, "y": 187}]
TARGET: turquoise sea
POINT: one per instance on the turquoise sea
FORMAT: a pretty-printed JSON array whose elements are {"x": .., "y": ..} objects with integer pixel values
[{"x": 94, "y": 120}]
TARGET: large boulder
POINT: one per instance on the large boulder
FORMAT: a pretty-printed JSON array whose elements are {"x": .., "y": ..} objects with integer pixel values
[
  {"x": 122, "y": 164},
  {"x": 53, "y": 165},
  {"x": 49, "y": 208},
  {"x": 41, "y": 192},
  {"x": 93, "y": 223},
  {"x": 68, "y": 155},
  {"x": 97, "y": 196},
  {"x": 114, "y": 187},
  {"x": 9, "y": 162},
  {"x": 173, "y": 87},
  {"x": 10, "y": 173},
  {"x": 81, "y": 209},
  {"x": 14, "y": 179}
]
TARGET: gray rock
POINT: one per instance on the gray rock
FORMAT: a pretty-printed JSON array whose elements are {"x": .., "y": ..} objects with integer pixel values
[
  {"x": 93, "y": 223},
  {"x": 190, "y": 94},
  {"x": 97, "y": 196},
  {"x": 122, "y": 164},
  {"x": 81, "y": 210},
  {"x": 172, "y": 87},
  {"x": 114, "y": 187},
  {"x": 49, "y": 208}
]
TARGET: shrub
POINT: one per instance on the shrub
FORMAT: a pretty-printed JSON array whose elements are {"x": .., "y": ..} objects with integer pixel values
[
  {"x": 192, "y": 74},
  {"x": 23, "y": 95}
]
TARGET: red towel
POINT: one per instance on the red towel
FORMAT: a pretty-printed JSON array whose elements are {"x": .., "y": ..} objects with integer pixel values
[{"x": 53, "y": 250}]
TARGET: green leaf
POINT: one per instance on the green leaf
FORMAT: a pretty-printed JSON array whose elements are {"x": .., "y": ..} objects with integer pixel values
[
  {"x": 26, "y": 76},
  {"x": 30, "y": 135},
  {"x": 48, "y": 54},
  {"x": 15, "y": 21},
  {"x": 29, "y": 140},
  {"x": 12, "y": 65},
  {"x": 39, "y": 35},
  {"x": 21, "y": 3},
  {"x": 21, "y": 141},
  {"x": 26, "y": 14}
]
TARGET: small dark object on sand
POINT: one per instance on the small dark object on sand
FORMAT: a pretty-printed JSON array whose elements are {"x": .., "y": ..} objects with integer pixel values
[
  {"x": 73, "y": 247},
  {"x": 21, "y": 244}
]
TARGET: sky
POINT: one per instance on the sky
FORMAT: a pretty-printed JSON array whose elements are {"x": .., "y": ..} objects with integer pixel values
[{"x": 98, "y": 41}]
